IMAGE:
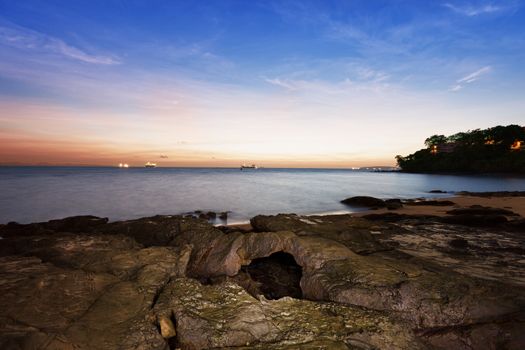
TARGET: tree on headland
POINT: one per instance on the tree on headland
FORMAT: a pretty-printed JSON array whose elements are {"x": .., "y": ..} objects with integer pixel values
[
  {"x": 435, "y": 140},
  {"x": 507, "y": 135},
  {"x": 496, "y": 149}
]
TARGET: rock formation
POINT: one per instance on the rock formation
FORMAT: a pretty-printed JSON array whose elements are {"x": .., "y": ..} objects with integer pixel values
[{"x": 294, "y": 282}]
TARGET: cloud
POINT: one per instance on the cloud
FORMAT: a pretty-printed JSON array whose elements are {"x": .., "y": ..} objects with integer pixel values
[
  {"x": 27, "y": 39},
  {"x": 368, "y": 74},
  {"x": 472, "y": 11},
  {"x": 468, "y": 79},
  {"x": 475, "y": 76},
  {"x": 287, "y": 84},
  {"x": 357, "y": 78}
]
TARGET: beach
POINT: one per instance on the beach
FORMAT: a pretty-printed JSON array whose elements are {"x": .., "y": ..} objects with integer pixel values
[
  {"x": 422, "y": 276},
  {"x": 516, "y": 204}
]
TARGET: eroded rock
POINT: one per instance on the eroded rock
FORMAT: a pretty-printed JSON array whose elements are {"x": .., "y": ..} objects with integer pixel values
[
  {"x": 369, "y": 284},
  {"x": 84, "y": 291},
  {"x": 224, "y": 315},
  {"x": 426, "y": 296}
]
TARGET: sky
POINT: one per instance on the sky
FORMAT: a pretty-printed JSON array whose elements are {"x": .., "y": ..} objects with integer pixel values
[{"x": 277, "y": 83}]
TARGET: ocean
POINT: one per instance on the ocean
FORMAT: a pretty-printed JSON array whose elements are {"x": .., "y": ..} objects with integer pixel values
[{"x": 31, "y": 194}]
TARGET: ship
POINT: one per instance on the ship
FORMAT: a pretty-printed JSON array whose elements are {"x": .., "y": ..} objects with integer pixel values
[
  {"x": 123, "y": 165},
  {"x": 150, "y": 165},
  {"x": 253, "y": 166}
]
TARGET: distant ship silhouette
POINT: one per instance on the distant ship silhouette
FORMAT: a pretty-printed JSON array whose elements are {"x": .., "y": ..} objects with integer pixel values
[{"x": 253, "y": 166}]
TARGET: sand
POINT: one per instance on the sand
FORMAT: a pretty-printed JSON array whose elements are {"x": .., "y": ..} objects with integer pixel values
[{"x": 516, "y": 204}]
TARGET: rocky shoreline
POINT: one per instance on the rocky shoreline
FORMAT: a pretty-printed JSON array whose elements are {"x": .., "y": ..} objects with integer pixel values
[{"x": 412, "y": 275}]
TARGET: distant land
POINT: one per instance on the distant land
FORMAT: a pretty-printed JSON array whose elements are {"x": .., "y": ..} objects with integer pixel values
[{"x": 500, "y": 149}]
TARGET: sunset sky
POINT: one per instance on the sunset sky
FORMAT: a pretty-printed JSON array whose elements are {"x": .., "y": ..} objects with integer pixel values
[{"x": 277, "y": 83}]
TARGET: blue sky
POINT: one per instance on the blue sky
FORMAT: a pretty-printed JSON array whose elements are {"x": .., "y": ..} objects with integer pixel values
[{"x": 281, "y": 83}]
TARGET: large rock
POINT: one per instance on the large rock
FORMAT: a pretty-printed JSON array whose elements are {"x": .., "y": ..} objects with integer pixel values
[
  {"x": 85, "y": 223},
  {"x": 364, "y": 201},
  {"x": 48, "y": 307},
  {"x": 369, "y": 284},
  {"x": 68, "y": 291},
  {"x": 355, "y": 233},
  {"x": 152, "y": 231},
  {"x": 225, "y": 315},
  {"x": 281, "y": 222},
  {"x": 426, "y": 296}
]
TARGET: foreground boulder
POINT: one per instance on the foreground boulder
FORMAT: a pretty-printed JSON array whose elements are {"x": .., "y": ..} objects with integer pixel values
[
  {"x": 70, "y": 291},
  {"x": 426, "y": 296},
  {"x": 224, "y": 315},
  {"x": 355, "y": 233},
  {"x": 169, "y": 282}
]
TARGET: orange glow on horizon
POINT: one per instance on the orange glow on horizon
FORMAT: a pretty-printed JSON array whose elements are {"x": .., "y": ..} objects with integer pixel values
[{"x": 41, "y": 152}]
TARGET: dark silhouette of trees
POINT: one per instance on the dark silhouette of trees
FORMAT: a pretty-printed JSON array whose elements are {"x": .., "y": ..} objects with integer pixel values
[
  {"x": 479, "y": 150},
  {"x": 435, "y": 140}
]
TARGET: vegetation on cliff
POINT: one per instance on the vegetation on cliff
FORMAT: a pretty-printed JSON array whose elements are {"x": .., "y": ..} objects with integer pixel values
[{"x": 496, "y": 149}]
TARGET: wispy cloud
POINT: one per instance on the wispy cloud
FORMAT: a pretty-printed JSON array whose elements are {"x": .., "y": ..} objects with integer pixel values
[
  {"x": 470, "y": 78},
  {"x": 372, "y": 75},
  {"x": 287, "y": 84},
  {"x": 472, "y": 11},
  {"x": 27, "y": 39},
  {"x": 358, "y": 78}
]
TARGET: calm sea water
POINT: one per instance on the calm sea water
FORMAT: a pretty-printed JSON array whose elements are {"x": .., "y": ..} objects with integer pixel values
[{"x": 29, "y": 194}]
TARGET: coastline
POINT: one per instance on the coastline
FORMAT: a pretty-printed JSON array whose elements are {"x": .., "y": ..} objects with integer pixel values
[
  {"x": 516, "y": 204},
  {"x": 167, "y": 191},
  {"x": 405, "y": 278}
]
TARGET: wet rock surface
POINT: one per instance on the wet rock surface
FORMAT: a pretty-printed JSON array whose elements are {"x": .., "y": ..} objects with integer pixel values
[{"x": 387, "y": 281}]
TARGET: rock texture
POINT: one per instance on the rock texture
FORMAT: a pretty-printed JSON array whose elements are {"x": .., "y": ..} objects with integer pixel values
[
  {"x": 69, "y": 291},
  {"x": 294, "y": 282},
  {"x": 224, "y": 315}
]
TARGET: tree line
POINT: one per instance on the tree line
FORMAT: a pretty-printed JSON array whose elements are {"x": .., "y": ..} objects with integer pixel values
[{"x": 495, "y": 149}]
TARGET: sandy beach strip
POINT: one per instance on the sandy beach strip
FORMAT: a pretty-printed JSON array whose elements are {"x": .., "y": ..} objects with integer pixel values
[{"x": 515, "y": 204}]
